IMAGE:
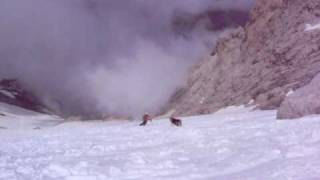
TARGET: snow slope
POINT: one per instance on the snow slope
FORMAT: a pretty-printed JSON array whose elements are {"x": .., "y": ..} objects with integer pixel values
[
  {"x": 13, "y": 117},
  {"x": 234, "y": 144}
]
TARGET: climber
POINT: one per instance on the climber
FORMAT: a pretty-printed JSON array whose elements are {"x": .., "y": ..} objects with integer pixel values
[
  {"x": 175, "y": 121},
  {"x": 145, "y": 118}
]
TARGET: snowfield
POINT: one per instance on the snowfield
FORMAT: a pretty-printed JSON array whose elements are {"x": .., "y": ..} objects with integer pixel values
[
  {"x": 15, "y": 118},
  {"x": 233, "y": 144}
]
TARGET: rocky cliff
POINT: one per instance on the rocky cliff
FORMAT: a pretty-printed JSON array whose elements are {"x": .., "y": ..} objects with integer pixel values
[
  {"x": 12, "y": 92},
  {"x": 277, "y": 52}
]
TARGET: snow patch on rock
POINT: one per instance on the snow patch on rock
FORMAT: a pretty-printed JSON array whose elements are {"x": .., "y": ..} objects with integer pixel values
[
  {"x": 7, "y": 93},
  {"x": 289, "y": 93},
  {"x": 310, "y": 27}
]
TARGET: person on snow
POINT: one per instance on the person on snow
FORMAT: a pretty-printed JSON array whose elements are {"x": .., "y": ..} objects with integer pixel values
[
  {"x": 145, "y": 118},
  {"x": 175, "y": 121}
]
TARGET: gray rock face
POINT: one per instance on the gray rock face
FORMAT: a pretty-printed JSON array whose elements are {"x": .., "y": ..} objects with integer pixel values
[
  {"x": 262, "y": 62},
  {"x": 210, "y": 79},
  {"x": 12, "y": 92},
  {"x": 304, "y": 101}
]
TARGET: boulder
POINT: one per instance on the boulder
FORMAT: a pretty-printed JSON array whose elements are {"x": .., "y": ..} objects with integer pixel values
[{"x": 303, "y": 101}]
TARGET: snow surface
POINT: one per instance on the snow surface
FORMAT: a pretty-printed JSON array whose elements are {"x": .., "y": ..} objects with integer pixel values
[
  {"x": 310, "y": 27},
  {"x": 13, "y": 117},
  {"x": 233, "y": 144}
]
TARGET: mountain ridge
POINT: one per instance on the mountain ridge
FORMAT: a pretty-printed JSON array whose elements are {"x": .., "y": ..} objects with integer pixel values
[{"x": 260, "y": 63}]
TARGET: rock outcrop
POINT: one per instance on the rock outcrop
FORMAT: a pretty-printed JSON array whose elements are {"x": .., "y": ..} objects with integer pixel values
[
  {"x": 12, "y": 92},
  {"x": 304, "y": 101},
  {"x": 275, "y": 52}
]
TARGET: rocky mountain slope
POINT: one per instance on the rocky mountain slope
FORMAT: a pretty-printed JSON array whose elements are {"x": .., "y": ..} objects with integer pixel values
[
  {"x": 277, "y": 52},
  {"x": 12, "y": 92}
]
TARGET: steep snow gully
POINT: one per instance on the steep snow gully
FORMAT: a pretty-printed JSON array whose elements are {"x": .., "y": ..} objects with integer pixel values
[{"x": 233, "y": 144}]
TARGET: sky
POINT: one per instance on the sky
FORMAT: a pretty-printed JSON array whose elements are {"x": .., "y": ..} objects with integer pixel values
[{"x": 99, "y": 57}]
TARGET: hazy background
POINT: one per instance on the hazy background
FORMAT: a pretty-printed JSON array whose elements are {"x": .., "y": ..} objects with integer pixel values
[{"x": 100, "y": 57}]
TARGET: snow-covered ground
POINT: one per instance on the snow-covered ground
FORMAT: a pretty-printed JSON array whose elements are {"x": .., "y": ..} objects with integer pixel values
[
  {"x": 234, "y": 144},
  {"x": 13, "y": 117}
]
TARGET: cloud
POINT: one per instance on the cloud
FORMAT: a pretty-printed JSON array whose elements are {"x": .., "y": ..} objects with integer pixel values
[{"x": 95, "y": 57}]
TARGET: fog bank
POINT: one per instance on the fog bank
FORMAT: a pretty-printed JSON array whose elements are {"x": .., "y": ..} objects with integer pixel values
[{"x": 95, "y": 57}]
